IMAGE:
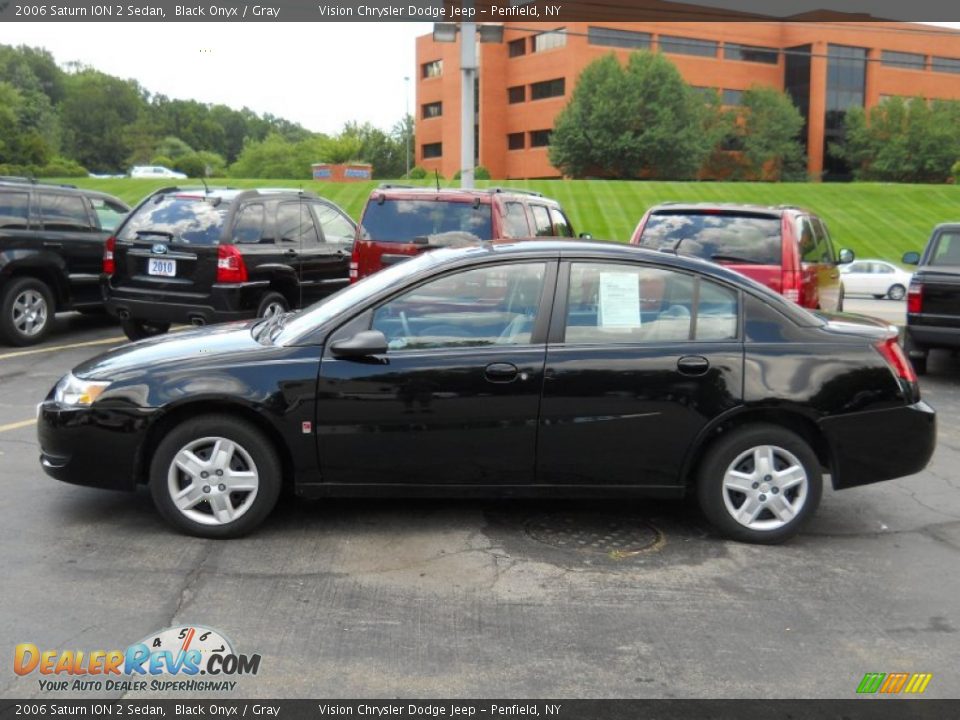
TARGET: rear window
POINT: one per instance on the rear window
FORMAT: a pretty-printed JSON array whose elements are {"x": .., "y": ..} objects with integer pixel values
[
  {"x": 730, "y": 238},
  {"x": 404, "y": 220},
  {"x": 188, "y": 220},
  {"x": 947, "y": 251}
]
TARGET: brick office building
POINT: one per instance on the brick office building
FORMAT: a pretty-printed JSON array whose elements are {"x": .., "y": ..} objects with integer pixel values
[{"x": 826, "y": 67}]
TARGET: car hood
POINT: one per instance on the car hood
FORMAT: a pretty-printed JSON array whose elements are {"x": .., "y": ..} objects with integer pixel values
[
  {"x": 858, "y": 325},
  {"x": 216, "y": 341}
]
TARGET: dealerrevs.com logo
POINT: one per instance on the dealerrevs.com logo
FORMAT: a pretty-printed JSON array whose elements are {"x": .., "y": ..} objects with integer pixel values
[{"x": 169, "y": 660}]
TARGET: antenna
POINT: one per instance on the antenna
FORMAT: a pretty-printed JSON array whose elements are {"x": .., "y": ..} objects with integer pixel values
[
  {"x": 436, "y": 174},
  {"x": 206, "y": 188}
]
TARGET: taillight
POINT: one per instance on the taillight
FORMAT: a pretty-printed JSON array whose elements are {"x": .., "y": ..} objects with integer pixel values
[
  {"x": 896, "y": 359},
  {"x": 354, "y": 265},
  {"x": 230, "y": 265},
  {"x": 109, "y": 264},
  {"x": 915, "y": 298},
  {"x": 791, "y": 285}
]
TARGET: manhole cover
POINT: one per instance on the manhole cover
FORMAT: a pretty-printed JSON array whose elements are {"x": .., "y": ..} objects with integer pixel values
[{"x": 598, "y": 534}]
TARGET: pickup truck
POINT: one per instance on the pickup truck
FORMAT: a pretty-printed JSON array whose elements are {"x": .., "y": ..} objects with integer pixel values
[{"x": 933, "y": 299}]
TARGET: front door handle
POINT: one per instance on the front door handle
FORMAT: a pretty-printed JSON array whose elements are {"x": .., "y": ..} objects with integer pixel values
[
  {"x": 501, "y": 372},
  {"x": 290, "y": 253},
  {"x": 693, "y": 365}
]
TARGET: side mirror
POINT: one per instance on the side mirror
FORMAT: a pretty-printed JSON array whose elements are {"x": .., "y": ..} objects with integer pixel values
[
  {"x": 911, "y": 258},
  {"x": 586, "y": 236},
  {"x": 846, "y": 256},
  {"x": 363, "y": 344}
]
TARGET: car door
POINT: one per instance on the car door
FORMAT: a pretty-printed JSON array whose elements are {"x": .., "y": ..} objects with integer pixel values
[
  {"x": 639, "y": 360},
  {"x": 455, "y": 399},
  {"x": 325, "y": 265},
  {"x": 71, "y": 230},
  {"x": 298, "y": 241}
]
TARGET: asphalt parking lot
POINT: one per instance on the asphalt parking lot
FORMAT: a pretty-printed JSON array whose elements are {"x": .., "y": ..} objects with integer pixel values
[{"x": 346, "y": 598}]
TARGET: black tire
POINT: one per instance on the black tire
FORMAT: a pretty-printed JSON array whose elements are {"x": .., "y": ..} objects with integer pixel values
[
  {"x": 878, "y": 297},
  {"x": 915, "y": 354},
  {"x": 252, "y": 446},
  {"x": 26, "y": 311},
  {"x": 142, "y": 329},
  {"x": 271, "y": 300},
  {"x": 897, "y": 292},
  {"x": 737, "y": 444},
  {"x": 843, "y": 296}
]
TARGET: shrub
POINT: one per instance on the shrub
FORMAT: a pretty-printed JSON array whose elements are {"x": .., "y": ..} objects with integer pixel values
[
  {"x": 417, "y": 173},
  {"x": 201, "y": 164},
  {"x": 479, "y": 173},
  {"x": 163, "y": 160},
  {"x": 956, "y": 172},
  {"x": 62, "y": 167}
]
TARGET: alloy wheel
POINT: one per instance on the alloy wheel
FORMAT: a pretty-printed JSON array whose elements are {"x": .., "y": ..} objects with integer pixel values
[
  {"x": 30, "y": 313},
  {"x": 213, "y": 480},
  {"x": 765, "y": 487}
]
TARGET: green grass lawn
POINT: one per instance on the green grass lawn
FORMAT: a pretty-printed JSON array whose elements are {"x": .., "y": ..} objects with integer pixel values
[{"x": 874, "y": 219}]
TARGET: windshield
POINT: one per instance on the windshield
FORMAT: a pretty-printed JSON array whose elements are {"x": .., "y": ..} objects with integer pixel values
[
  {"x": 189, "y": 220},
  {"x": 341, "y": 302},
  {"x": 404, "y": 220},
  {"x": 731, "y": 238}
]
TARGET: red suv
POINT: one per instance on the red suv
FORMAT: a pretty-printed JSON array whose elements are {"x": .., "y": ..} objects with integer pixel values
[
  {"x": 402, "y": 221},
  {"x": 785, "y": 248}
]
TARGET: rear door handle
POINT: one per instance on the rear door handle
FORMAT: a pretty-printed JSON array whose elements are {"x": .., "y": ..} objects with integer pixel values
[
  {"x": 693, "y": 365},
  {"x": 501, "y": 372}
]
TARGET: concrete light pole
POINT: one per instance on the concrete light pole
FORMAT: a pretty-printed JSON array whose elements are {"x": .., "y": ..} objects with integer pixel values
[
  {"x": 468, "y": 111},
  {"x": 406, "y": 121}
]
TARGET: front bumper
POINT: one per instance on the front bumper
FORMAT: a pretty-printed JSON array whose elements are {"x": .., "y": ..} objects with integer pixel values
[
  {"x": 94, "y": 446},
  {"x": 224, "y": 303},
  {"x": 869, "y": 447}
]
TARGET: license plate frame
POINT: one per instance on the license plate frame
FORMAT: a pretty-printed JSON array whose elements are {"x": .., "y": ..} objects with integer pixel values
[{"x": 161, "y": 267}]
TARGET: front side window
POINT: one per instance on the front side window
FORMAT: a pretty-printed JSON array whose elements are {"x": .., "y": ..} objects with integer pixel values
[
  {"x": 336, "y": 228},
  {"x": 488, "y": 306},
  {"x": 515, "y": 221},
  {"x": 808, "y": 242},
  {"x": 611, "y": 303},
  {"x": 109, "y": 213},
  {"x": 64, "y": 212},
  {"x": 14, "y": 210},
  {"x": 561, "y": 225}
]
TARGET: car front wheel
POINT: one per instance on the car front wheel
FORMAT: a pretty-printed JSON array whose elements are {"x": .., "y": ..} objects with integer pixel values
[
  {"x": 897, "y": 292},
  {"x": 215, "y": 476},
  {"x": 759, "y": 484}
]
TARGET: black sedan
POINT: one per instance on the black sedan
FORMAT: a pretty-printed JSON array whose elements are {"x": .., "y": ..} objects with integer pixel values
[{"x": 513, "y": 370}]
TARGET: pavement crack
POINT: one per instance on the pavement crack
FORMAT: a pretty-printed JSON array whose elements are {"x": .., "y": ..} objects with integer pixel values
[{"x": 185, "y": 593}]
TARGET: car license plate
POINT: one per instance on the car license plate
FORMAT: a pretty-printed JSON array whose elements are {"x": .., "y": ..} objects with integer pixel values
[{"x": 160, "y": 266}]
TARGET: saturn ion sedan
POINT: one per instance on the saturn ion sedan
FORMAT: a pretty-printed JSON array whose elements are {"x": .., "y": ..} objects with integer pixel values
[{"x": 540, "y": 368}]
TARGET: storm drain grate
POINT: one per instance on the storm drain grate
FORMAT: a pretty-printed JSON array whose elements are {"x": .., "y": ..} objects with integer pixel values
[{"x": 597, "y": 534}]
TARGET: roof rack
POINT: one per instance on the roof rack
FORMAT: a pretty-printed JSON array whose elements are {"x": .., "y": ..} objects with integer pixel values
[
  {"x": 18, "y": 180},
  {"x": 516, "y": 191},
  {"x": 396, "y": 186}
]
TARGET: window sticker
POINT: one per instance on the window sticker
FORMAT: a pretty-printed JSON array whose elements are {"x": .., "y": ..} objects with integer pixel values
[{"x": 619, "y": 300}]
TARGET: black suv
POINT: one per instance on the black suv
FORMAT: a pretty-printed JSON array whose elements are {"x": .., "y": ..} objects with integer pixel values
[
  {"x": 51, "y": 241},
  {"x": 189, "y": 255}
]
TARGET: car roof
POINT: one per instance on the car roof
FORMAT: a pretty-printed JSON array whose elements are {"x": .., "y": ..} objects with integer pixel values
[
  {"x": 28, "y": 183},
  {"x": 771, "y": 210},
  {"x": 230, "y": 194},
  {"x": 411, "y": 192}
]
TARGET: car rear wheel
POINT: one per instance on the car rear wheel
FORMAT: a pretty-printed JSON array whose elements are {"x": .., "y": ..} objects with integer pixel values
[
  {"x": 27, "y": 311},
  {"x": 896, "y": 292},
  {"x": 142, "y": 329},
  {"x": 759, "y": 484},
  {"x": 272, "y": 303},
  {"x": 215, "y": 476}
]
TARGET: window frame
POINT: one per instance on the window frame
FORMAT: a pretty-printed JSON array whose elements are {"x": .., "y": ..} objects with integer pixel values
[
  {"x": 600, "y": 36},
  {"x": 437, "y": 105},
  {"x": 558, "y": 323},
  {"x": 679, "y": 41},
  {"x": 427, "y": 74},
  {"x": 516, "y": 94},
  {"x": 533, "y": 133}
]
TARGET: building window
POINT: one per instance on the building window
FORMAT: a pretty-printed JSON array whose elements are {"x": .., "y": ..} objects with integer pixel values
[
  {"x": 796, "y": 82},
  {"x": 432, "y": 110},
  {"x": 732, "y": 97},
  {"x": 948, "y": 65},
  {"x": 548, "y": 40},
  {"x": 515, "y": 141},
  {"x": 750, "y": 53},
  {"x": 432, "y": 150},
  {"x": 432, "y": 69},
  {"x": 707, "y": 93},
  {"x": 547, "y": 89},
  {"x": 688, "y": 46},
  {"x": 609, "y": 37},
  {"x": 846, "y": 88},
  {"x": 516, "y": 48},
  {"x": 540, "y": 138},
  {"x": 910, "y": 61},
  {"x": 516, "y": 94}
]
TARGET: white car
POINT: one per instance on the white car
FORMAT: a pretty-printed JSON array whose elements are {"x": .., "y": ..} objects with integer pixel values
[
  {"x": 155, "y": 171},
  {"x": 875, "y": 277}
]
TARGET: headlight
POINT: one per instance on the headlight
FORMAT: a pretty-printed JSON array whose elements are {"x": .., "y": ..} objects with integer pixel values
[{"x": 71, "y": 390}]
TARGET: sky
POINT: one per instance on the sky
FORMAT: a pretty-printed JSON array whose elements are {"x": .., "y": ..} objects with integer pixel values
[{"x": 320, "y": 75}]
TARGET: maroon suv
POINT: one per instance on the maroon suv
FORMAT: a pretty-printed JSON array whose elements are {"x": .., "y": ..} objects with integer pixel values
[
  {"x": 402, "y": 221},
  {"x": 788, "y": 249}
]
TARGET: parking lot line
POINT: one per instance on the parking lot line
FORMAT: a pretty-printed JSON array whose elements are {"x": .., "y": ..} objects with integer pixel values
[
  {"x": 36, "y": 351},
  {"x": 17, "y": 425}
]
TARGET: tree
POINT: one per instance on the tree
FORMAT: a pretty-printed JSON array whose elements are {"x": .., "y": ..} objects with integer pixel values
[
  {"x": 639, "y": 121},
  {"x": 769, "y": 126},
  {"x": 902, "y": 140}
]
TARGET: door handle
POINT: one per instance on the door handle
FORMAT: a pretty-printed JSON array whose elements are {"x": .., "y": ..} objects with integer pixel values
[
  {"x": 290, "y": 253},
  {"x": 693, "y": 365},
  {"x": 501, "y": 372}
]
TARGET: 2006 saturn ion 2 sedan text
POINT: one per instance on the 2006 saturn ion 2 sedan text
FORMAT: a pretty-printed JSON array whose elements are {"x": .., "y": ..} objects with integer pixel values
[{"x": 554, "y": 367}]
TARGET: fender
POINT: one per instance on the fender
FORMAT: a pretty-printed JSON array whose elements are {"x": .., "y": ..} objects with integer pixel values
[{"x": 52, "y": 266}]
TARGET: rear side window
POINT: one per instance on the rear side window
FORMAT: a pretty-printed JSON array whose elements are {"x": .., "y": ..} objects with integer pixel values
[
  {"x": 14, "y": 210},
  {"x": 403, "y": 220},
  {"x": 733, "y": 238},
  {"x": 109, "y": 213},
  {"x": 515, "y": 220},
  {"x": 64, "y": 213},
  {"x": 541, "y": 219},
  {"x": 249, "y": 225},
  {"x": 947, "y": 251},
  {"x": 295, "y": 225},
  {"x": 188, "y": 220}
]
